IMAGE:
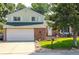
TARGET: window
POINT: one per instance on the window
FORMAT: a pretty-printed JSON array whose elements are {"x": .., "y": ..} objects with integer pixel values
[
  {"x": 33, "y": 18},
  {"x": 65, "y": 29},
  {"x": 16, "y": 18}
]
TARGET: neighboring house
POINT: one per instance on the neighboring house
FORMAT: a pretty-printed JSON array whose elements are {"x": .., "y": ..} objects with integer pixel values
[
  {"x": 62, "y": 33},
  {"x": 66, "y": 31},
  {"x": 24, "y": 25}
]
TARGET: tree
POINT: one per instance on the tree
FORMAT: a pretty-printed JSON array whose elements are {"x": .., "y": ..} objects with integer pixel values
[
  {"x": 20, "y": 6},
  {"x": 40, "y": 7},
  {"x": 10, "y": 7},
  {"x": 6, "y": 8},
  {"x": 3, "y": 11},
  {"x": 66, "y": 15}
]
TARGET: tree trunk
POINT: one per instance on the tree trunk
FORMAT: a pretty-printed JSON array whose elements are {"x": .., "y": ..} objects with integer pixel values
[{"x": 75, "y": 39}]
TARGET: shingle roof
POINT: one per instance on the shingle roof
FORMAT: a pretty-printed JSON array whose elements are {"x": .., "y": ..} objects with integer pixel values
[{"x": 23, "y": 9}]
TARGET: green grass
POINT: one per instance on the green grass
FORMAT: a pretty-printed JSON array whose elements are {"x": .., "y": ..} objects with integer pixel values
[{"x": 58, "y": 43}]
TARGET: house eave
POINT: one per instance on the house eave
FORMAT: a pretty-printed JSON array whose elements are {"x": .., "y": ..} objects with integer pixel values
[{"x": 23, "y": 23}]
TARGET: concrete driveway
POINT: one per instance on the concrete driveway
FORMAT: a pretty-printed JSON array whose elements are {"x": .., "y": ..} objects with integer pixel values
[{"x": 17, "y": 47}]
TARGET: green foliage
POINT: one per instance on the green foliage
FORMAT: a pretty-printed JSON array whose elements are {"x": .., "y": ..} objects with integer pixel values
[
  {"x": 2, "y": 9},
  {"x": 52, "y": 22},
  {"x": 66, "y": 15},
  {"x": 5, "y": 8},
  {"x": 20, "y": 6},
  {"x": 40, "y": 7},
  {"x": 10, "y": 7},
  {"x": 59, "y": 43}
]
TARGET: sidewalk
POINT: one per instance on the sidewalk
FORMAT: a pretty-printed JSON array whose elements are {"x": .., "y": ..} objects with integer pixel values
[{"x": 56, "y": 52}]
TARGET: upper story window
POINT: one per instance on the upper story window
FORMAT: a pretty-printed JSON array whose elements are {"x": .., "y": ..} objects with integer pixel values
[
  {"x": 33, "y": 18},
  {"x": 16, "y": 18}
]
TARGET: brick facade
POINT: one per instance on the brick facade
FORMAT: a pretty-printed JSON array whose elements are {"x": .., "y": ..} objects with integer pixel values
[{"x": 40, "y": 33}]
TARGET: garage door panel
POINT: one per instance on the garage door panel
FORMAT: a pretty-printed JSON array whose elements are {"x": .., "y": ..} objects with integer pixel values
[{"x": 20, "y": 34}]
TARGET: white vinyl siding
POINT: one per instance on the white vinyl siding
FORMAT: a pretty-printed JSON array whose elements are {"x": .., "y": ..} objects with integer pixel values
[{"x": 25, "y": 16}]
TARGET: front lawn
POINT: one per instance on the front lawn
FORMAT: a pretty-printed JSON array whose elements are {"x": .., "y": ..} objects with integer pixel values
[{"x": 58, "y": 43}]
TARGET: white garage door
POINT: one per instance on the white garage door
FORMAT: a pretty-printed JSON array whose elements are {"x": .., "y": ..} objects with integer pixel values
[{"x": 20, "y": 35}]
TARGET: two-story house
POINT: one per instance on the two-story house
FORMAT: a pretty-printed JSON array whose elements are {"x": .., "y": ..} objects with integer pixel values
[{"x": 24, "y": 25}]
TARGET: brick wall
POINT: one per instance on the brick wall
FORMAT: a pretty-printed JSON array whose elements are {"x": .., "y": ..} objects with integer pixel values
[{"x": 40, "y": 33}]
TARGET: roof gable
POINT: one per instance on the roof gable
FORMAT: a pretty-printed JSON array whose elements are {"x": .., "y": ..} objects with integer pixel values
[{"x": 25, "y": 9}]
